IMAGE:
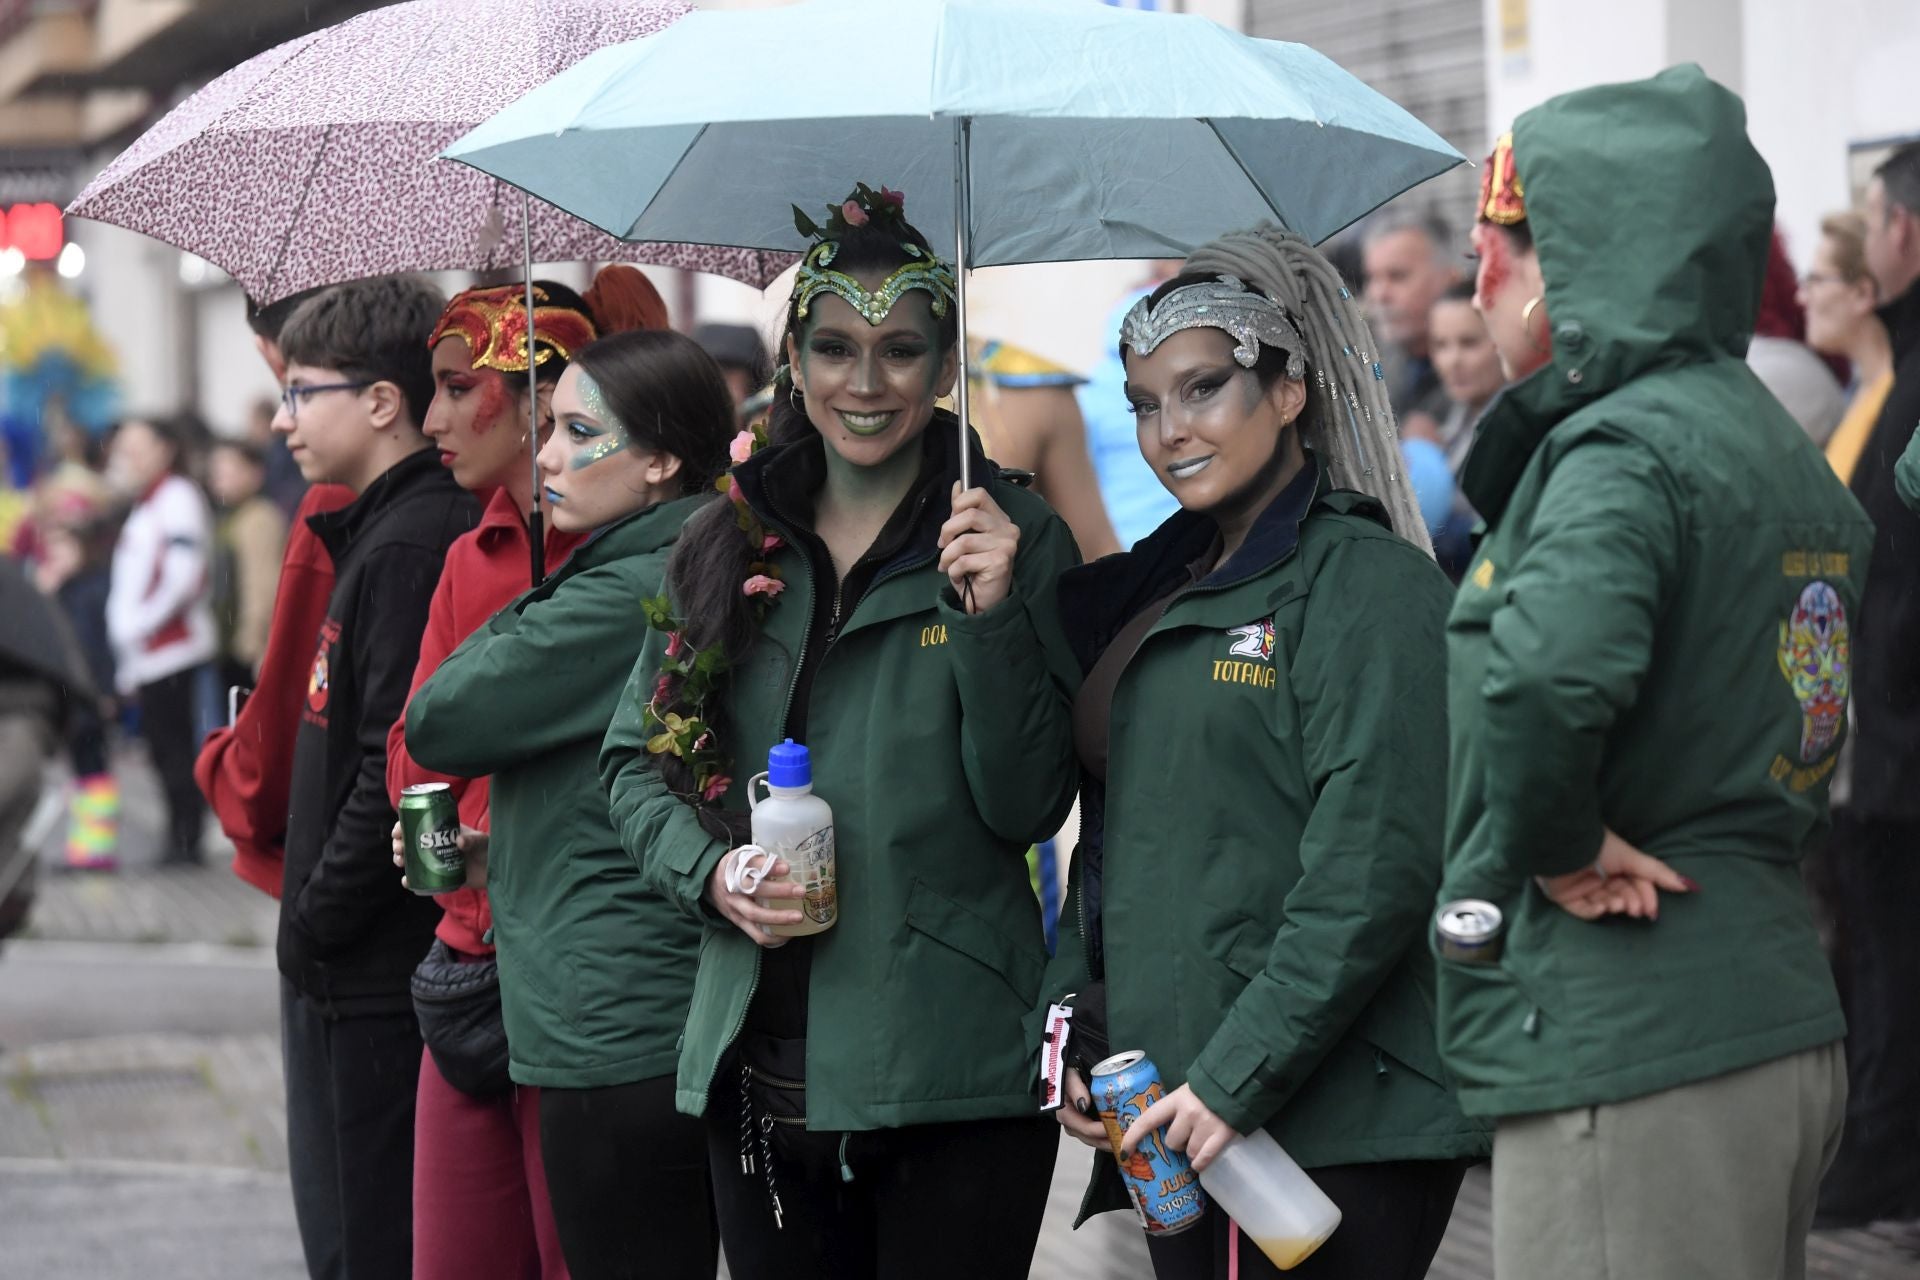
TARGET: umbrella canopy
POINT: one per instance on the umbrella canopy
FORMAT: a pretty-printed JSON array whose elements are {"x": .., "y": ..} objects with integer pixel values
[
  {"x": 309, "y": 164},
  {"x": 1089, "y": 131}
]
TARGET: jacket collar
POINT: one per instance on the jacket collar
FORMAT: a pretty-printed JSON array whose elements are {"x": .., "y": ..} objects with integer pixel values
[
  {"x": 780, "y": 481},
  {"x": 1098, "y": 598},
  {"x": 1902, "y": 318},
  {"x": 338, "y": 530},
  {"x": 645, "y": 530}
]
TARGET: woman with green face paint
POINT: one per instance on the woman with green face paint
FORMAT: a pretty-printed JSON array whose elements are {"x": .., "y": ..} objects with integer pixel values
[
  {"x": 595, "y": 968},
  {"x": 868, "y": 1090}
]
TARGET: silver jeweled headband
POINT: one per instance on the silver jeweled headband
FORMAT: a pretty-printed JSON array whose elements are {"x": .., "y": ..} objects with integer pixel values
[{"x": 1249, "y": 317}]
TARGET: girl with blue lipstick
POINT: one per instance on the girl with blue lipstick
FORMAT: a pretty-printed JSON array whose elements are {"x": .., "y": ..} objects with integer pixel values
[
  {"x": 867, "y": 1091},
  {"x": 595, "y": 967}
]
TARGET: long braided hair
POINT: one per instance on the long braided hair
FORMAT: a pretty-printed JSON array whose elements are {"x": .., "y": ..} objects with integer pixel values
[{"x": 1348, "y": 421}]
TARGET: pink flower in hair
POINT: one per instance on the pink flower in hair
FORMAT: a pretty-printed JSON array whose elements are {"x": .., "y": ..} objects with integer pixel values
[
  {"x": 742, "y": 447},
  {"x": 660, "y": 691},
  {"x": 717, "y": 788},
  {"x": 761, "y": 585},
  {"x": 770, "y": 543},
  {"x": 898, "y": 199},
  {"x": 676, "y": 644},
  {"x": 854, "y": 214}
]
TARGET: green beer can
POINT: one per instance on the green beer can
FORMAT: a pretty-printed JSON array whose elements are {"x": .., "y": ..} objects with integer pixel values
[{"x": 430, "y": 830}]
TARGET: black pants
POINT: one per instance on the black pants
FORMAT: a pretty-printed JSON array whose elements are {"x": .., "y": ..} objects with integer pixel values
[
  {"x": 932, "y": 1201},
  {"x": 1392, "y": 1217},
  {"x": 168, "y": 711},
  {"x": 1874, "y": 868},
  {"x": 350, "y": 1092},
  {"x": 627, "y": 1175}
]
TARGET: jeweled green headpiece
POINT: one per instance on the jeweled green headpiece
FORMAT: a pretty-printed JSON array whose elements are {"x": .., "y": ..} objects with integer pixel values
[{"x": 885, "y": 210}]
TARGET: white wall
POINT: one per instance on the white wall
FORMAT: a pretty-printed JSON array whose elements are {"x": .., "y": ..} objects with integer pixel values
[
  {"x": 132, "y": 288},
  {"x": 1817, "y": 76}
]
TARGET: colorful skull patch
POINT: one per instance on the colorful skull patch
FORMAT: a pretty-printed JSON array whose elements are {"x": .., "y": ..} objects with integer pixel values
[{"x": 1816, "y": 653}]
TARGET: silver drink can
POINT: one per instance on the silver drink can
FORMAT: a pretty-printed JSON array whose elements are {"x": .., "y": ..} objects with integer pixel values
[{"x": 1469, "y": 930}]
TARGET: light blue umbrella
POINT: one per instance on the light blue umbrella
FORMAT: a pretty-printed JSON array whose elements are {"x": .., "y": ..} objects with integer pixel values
[{"x": 1021, "y": 130}]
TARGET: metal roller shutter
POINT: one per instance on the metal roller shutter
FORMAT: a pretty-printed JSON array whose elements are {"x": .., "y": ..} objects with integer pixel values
[{"x": 1427, "y": 55}]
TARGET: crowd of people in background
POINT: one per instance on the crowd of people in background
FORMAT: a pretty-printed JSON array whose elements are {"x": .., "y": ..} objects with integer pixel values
[{"x": 195, "y": 567}]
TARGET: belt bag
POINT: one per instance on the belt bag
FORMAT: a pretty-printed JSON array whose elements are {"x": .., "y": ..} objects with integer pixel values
[{"x": 458, "y": 1006}]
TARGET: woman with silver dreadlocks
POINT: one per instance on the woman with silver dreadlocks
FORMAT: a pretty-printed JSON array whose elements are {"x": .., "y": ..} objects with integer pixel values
[{"x": 1263, "y": 722}]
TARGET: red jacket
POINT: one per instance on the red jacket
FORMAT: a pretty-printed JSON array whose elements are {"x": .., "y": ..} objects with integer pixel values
[
  {"x": 243, "y": 770},
  {"x": 486, "y": 570}
]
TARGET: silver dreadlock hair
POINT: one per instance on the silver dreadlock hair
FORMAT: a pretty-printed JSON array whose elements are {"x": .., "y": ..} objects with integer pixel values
[{"x": 1354, "y": 430}]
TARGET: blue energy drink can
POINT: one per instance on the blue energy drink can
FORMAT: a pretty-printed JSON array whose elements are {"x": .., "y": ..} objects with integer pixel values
[{"x": 1164, "y": 1186}]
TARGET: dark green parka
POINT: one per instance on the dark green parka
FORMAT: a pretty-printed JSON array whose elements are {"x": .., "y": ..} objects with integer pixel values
[
  {"x": 1259, "y": 867},
  {"x": 1653, "y": 635},
  {"x": 596, "y": 969},
  {"x": 943, "y": 744}
]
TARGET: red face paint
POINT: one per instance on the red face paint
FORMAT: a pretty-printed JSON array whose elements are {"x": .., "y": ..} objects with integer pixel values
[
  {"x": 493, "y": 401},
  {"x": 1495, "y": 264}
]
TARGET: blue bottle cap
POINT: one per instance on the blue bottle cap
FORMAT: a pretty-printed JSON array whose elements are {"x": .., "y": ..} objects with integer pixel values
[{"x": 788, "y": 765}]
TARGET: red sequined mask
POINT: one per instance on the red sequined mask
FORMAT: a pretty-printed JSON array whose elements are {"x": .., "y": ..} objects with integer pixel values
[
  {"x": 1502, "y": 198},
  {"x": 494, "y": 323}
]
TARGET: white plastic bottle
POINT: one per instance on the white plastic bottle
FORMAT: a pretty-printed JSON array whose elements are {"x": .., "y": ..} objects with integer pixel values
[
  {"x": 794, "y": 824},
  {"x": 1279, "y": 1207}
]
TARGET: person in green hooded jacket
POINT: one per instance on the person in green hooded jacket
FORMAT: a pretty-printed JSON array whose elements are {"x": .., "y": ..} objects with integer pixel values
[
  {"x": 1262, "y": 728},
  {"x": 867, "y": 1090},
  {"x": 1649, "y": 665},
  {"x": 595, "y": 967}
]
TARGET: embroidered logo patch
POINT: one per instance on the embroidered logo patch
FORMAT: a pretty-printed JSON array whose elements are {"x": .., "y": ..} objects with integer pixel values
[
  {"x": 1255, "y": 640},
  {"x": 317, "y": 683},
  {"x": 1816, "y": 657}
]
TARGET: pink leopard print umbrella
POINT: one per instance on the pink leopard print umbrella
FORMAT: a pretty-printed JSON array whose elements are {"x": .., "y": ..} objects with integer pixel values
[{"x": 313, "y": 162}]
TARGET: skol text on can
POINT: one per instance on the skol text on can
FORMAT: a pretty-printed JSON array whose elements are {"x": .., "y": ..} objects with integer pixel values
[
  {"x": 1164, "y": 1186},
  {"x": 430, "y": 831},
  {"x": 1469, "y": 930}
]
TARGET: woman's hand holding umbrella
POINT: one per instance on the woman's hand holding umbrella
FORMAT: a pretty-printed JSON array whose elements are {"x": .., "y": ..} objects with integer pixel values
[{"x": 977, "y": 546}]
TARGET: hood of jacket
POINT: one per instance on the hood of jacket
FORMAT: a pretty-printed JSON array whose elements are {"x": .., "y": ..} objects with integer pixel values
[{"x": 1651, "y": 212}]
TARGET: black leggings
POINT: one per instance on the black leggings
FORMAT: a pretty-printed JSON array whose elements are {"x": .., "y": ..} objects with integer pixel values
[
  {"x": 932, "y": 1201},
  {"x": 167, "y": 723},
  {"x": 1392, "y": 1217},
  {"x": 627, "y": 1175}
]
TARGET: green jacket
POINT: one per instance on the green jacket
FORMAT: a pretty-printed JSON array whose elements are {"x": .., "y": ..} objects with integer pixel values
[
  {"x": 1256, "y": 874},
  {"x": 943, "y": 744},
  {"x": 1653, "y": 635},
  {"x": 596, "y": 969}
]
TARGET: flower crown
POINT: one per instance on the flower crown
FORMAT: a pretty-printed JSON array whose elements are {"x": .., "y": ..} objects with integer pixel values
[
  {"x": 885, "y": 210},
  {"x": 690, "y": 677}
]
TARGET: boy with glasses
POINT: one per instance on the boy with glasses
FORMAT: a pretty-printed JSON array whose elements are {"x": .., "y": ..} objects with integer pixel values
[{"x": 358, "y": 381}]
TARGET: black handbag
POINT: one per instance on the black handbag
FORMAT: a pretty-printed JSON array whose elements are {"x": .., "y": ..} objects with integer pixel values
[{"x": 458, "y": 1007}]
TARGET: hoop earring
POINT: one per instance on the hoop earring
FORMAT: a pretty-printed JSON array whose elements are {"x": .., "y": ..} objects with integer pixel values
[
  {"x": 1526, "y": 321},
  {"x": 793, "y": 392}
]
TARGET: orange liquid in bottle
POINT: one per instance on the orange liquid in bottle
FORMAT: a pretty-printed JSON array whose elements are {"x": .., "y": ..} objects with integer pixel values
[{"x": 1287, "y": 1254}]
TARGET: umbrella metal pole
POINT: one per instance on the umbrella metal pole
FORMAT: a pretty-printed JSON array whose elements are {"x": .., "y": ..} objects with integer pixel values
[
  {"x": 536, "y": 538},
  {"x": 962, "y": 138}
]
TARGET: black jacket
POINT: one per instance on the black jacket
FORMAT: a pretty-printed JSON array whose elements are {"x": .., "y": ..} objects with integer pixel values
[
  {"x": 350, "y": 936},
  {"x": 1886, "y": 652}
]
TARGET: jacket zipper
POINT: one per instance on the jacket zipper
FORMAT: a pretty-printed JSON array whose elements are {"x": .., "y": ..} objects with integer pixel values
[{"x": 786, "y": 710}]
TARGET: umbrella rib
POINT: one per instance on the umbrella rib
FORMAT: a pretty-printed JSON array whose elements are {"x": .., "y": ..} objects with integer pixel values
[
  {"x": 1272, "y": 202},
  {"x": 306, "y": 188},
  {"x": 664, "y": 184}
]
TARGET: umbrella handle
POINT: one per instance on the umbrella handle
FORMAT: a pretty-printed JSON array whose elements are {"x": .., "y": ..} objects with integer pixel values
[
  {"x": 536, "y": 540},
  {"x": 962, "y": 181}
]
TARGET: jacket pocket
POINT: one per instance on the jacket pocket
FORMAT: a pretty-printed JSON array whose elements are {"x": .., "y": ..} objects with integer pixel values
[{"x": 947, "y": 922}]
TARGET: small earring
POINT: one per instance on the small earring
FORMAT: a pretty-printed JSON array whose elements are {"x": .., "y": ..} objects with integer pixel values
[{"x": 793, "y": 392}]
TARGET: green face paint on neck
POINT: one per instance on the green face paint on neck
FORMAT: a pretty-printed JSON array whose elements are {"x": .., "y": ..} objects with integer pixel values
[{"x": 601, "y": 441}]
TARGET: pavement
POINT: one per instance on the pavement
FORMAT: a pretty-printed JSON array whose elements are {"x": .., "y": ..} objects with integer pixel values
[{"x": 142, "y": 1116}]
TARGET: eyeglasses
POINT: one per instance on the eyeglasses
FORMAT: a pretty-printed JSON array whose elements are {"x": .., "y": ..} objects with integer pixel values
[
  {"x": 1820, "y": 277},
  {"x": 294, "y": 396}
]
